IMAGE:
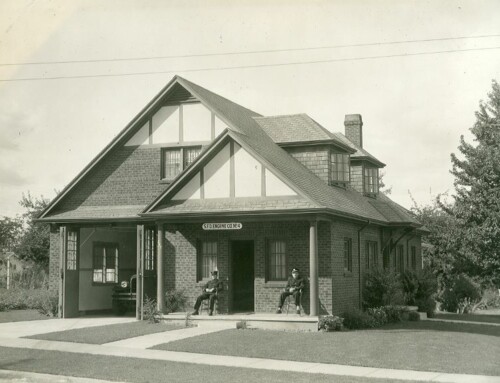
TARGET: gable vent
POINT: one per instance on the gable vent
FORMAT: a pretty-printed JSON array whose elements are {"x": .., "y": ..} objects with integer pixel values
[{"x": 178, "y": 94}]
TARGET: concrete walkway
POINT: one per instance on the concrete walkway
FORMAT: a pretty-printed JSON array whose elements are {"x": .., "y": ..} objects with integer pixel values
[
  {"x": 11, "y": 333},
  {"x": 30, "y": 328},
  {"x": 34, "y": 377},
  {"x": 244, "y": 362},
  {"x": 150, "y": 340}
]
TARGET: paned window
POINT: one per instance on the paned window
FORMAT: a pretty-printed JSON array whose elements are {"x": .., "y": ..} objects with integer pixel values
[
  {"x": 72, "y": 250},
  {"x": 105, "y": 262},
  {"x": 371, "y": 180},
  {"x": 178, "y": 159},
  {"x": 207, "y": 258},
  {"x": 414, "y": 258},
  {"x": 339, "y": 165},
  {"x": 401, "y": 258},
  {"x": 149, "y": 249},
  {"x": 276, "y": 254},
  {"x": 371, "y": 254},
  {"x": 347, "y": 254}
]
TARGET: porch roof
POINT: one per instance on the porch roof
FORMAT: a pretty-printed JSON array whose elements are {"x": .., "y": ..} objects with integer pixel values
[
  {"x": 98, "y": 213},
  {"x": 233, "y": 205}
]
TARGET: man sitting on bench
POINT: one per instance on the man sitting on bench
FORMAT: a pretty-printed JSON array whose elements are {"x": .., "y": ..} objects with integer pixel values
[
  {"x": 210, "y": 290},
  {"x": 293, "y": 287}
]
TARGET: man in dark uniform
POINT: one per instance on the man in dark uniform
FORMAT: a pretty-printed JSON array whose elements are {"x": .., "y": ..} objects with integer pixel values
[
  {"x": 293, "y": 287},
  {"x": 210, "y": 290}
]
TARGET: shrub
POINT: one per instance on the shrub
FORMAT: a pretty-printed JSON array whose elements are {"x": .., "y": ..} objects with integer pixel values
[
  {"x": 460, "y": 294},
  {"x": 21, "y": 299},
  {"x": 410, "y": 284},
  {"x": 382, "y": 287},
  {"x": 427, "y": 306},
  {"x": 379, "y": 316},
  {"x": 330, "y": 323},
  {"x": 175, "y": 300},
  {"x": 48, "y": 304},
  {"x": 427, "y": 285},
  {"x": 413, "y": 316},
  {"x": 395, "y": 314},
  {"x": 151, "y": 313},
  {"x": 355, "y": 319},
  {"x": 490, "y": 298}
]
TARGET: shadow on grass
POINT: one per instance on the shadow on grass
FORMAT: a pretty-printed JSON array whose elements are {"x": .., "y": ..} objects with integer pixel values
[{"x": 443, "y": 326}]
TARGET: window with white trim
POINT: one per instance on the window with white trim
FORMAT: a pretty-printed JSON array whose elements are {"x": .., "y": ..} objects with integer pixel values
[
  {"x": 71, "y": 250},
  {"x": 276, "y": 260},
  {"x": 371, "y": 180},
  {"x": 207, "y": 258},
  {"x": 339, "y": 168},
  {"x": 105, "y": 262},
  {"x": 149, "y": 249},
  {"x": 371, "y": 254},
  {"x": 348, "y": 254},
  {"x": 175, "y": 160}
]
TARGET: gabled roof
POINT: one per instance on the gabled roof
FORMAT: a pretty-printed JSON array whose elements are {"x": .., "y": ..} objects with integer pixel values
[
  {"x": 298, "y": 128},
  {"x": 244, "y": 129}
]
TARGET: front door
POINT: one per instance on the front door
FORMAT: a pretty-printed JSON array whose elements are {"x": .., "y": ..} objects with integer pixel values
[{"x": 242, "y": 276}]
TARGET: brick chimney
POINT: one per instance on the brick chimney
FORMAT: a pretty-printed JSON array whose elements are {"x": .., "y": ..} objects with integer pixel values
[{"x": 354, "y": 128}]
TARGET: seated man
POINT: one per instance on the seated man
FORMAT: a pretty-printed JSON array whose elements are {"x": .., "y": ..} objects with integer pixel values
[
  {"x": 210, "y": 290},
  {"x": 293, "y": 287}
]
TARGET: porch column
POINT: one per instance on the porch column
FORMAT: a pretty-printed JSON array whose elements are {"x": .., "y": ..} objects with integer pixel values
[
  {"x": 62, "y": 253},
  {"x": 313, "y": 268},
  {"x": 138, "y": 281},
  {"x": 160, "y": 288}
]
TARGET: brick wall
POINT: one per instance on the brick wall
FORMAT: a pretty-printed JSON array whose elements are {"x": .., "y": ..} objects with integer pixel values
[
  {"x": 127, "y": 176},
  {"x": 315, "y": 158},
  {"x": 54, "y": 255},
  {"x": 357, "y": 177},
  {"x": 180, "y": 260}
]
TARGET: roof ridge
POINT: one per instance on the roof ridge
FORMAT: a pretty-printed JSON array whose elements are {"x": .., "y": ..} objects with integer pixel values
[{"x": 281, "y": 115}]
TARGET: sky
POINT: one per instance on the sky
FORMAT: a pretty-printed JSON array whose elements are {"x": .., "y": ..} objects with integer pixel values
[{"x": 313, "y": 57}]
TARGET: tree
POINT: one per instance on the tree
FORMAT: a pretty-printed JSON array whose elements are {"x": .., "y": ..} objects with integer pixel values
[
  {"x": 477, "y": 199},
  {"x": 439, "y": 247},
  {"x": 10, "y": 232},
  {"x": 34, "y": 244}
]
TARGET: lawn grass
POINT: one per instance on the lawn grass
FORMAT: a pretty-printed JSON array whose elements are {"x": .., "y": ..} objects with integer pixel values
[
  {"x": 146, "y": 371},
  {"x": 470, "y": 317},
  {"x": 106, "y": 334},
  {"x": 425, "y": 345},
  {"x": 21, "y": 315}
]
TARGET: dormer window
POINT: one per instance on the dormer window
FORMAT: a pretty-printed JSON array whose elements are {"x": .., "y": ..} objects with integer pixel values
[
  {"x": 371, "y": 181},
  {"x": 339, "y": 168},
  {"x": 175, "y": 160}
]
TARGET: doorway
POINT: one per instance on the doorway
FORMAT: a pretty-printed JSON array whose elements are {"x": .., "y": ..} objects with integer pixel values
[{"x": 242, "y": 276}]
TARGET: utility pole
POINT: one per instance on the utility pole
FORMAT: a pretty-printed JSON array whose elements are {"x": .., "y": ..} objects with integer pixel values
[{"x": 8, "y": 270}]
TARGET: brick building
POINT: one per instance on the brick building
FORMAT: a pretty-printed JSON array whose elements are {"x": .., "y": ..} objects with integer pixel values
[{"x": 196, "y": 182}]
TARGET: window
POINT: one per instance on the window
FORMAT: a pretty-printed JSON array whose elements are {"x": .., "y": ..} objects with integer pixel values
[
  {"x": 348, "y": 254},
  {"x": 149, "y": 249},
  {"x": 371, "y": 253},
  {"x": 401, "y": 259},
  {"x": 175, "y": 160},
  {"x": 339, "y": 167},
  {"x": 386, "y": 257},
  {"x": 105, "y": 262},
  {"x": 207, "y": 258},
  {"x": 276, "y": 260},
  {"x": 414, "y": 258},
  {"x": 371, "y": 180},
  {"x": 71, "y": 250}
]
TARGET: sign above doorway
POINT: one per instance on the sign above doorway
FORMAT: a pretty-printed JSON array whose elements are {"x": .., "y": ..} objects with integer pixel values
[{"x": 222, "y": 226}]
